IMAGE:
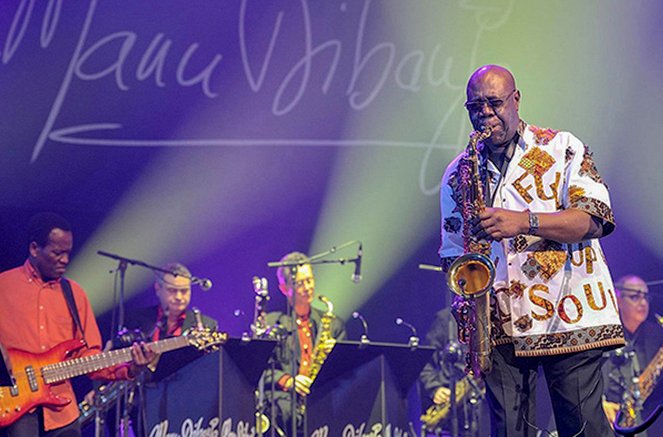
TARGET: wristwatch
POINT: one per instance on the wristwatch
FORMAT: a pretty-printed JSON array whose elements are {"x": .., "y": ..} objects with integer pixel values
[{"x": 533, "y": 223}]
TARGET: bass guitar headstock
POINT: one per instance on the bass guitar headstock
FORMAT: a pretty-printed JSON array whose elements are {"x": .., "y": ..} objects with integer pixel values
[{"x": 206, "y": 339}]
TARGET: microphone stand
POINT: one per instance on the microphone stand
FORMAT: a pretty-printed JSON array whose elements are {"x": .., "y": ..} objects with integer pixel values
[
  {"x": 292, "y": 332},
  {"x": 333, "y": 249},
  {"x": 291, "y": 304},
  {"x": 121, "y": 410},
  {"x": 363, "y": 340},
  {"x": 135, "y": 262},
  {"x": 451, "y": 355}
]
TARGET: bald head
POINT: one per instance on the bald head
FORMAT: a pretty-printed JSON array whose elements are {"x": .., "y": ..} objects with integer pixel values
[
  {"x": 493, "y": 101},
  {"x": 492, "y": 73}
]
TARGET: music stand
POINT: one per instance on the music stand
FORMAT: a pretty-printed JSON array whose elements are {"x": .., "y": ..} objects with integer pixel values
[
  {"x": 6, "y": 377},
  {"x": 365, "y": 386},
  {"x": 212, "y": 392}
]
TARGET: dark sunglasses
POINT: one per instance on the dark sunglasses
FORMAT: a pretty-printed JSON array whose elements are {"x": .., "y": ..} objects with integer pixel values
[{"x": 495, "y": 104}]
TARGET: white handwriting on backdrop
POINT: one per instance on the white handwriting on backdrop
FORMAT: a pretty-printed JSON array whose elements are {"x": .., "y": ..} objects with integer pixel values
[{"x": 410, "y": 71}]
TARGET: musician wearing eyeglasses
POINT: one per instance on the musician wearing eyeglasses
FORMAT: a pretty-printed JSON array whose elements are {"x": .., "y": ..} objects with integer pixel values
[
  {"x": 531, "y": 202},
  {"x": 638, "y": 359},
  {"x": 304, "y": 340}
]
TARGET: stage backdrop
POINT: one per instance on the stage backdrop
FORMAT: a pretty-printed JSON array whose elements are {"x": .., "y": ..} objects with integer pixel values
[{"x": 227, "y": 133}]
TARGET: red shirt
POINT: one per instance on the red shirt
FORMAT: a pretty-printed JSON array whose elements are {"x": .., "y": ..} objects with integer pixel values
[
  {"x": 34, "y": 317},
  {"x": 174, "y": 331},
  {"x": 306, "y": 343},
  {"x": 304, "y": 333}
]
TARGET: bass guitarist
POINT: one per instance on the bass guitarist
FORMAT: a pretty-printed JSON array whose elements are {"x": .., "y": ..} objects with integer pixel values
[{"x": 36, "y": 315}]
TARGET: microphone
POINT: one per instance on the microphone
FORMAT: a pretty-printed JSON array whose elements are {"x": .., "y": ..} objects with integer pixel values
[
  {"x": 356, "y": 276},
  {"x": 204, "y": 283},
  {"x": 198, "y": 319},
  {"x": 413, "y": 342},
  {"x": 364, "y": 337}
]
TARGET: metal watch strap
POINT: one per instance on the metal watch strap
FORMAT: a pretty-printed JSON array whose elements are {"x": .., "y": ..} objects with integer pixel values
[{"x": 533, "y": 223}]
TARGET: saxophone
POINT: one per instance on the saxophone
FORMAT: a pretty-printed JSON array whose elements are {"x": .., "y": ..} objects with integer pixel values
[
  {"x": 326, "y": 340},
  {"x": 472, "y": 274},
  {"x": 323, "y": 346},
  {"x": 437, "y": 413}
]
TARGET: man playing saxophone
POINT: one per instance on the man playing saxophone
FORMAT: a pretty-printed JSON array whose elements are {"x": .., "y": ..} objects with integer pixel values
[
  {"x": 304, "y": 340},
  {"x": 552, "y": 298}
]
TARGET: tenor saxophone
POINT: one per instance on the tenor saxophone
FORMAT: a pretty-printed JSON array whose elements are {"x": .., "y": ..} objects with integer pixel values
[{"x": 472, "y": 274}]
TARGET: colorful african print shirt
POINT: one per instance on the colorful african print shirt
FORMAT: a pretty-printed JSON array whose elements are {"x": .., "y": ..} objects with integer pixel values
[{"x": 548, "y": 297}]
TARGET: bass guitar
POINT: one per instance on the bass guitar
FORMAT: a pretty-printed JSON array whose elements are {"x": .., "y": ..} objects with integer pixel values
[{"x": 34, "y": 374}]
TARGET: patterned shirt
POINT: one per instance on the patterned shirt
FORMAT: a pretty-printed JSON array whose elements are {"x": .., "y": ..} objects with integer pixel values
[{"x": 548, "y": 297}]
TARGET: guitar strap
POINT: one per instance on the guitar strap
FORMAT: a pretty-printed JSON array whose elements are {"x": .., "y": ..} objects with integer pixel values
[{"x": 71, "y": 303}]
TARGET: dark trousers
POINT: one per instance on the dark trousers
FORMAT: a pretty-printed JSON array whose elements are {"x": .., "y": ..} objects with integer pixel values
[
  {"x": 32, "y": 425},
  {"x": 575, "y": 385}
]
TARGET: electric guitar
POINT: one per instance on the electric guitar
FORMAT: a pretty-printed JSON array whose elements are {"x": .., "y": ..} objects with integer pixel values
[{"x": 34, "y": 374}]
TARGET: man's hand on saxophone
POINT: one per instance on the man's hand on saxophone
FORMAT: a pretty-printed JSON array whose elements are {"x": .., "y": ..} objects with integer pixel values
[
  {"x": 441, "y": 396},
  {"x": 497, "y": 223},
  {"x": 567, "y": 226},
  {"x": 302, "y": 384}
]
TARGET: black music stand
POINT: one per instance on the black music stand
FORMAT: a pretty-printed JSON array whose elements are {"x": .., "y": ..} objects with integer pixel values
[
  {"x": 214, "y": 392},
  {"x": 6, "y": 378},
  {"x": 364, "y": 387}
]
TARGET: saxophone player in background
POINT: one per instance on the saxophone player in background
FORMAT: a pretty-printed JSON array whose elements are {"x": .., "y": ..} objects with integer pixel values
[
  {"x": 552, "y": 298},
  {"x": 435, "y": 379},
  {"x": 303, "y": 340}
]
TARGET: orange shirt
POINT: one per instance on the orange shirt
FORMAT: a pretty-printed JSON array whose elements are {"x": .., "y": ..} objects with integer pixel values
[{"x": 34, "y": 317}]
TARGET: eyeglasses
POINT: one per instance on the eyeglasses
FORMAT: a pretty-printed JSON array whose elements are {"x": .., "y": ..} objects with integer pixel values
[
  {"x": 495, "y": 104},
  {"x": 637, "y": 296}
]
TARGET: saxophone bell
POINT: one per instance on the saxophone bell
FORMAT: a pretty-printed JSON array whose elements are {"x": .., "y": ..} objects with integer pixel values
[
  {"x": 471, "y": 275},
  {"x": 262, "y": 423}
]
